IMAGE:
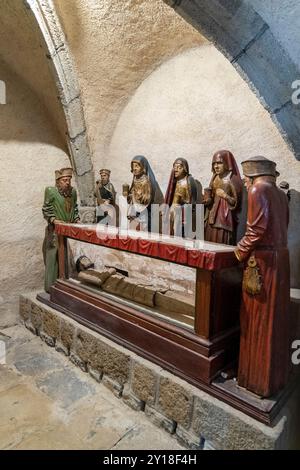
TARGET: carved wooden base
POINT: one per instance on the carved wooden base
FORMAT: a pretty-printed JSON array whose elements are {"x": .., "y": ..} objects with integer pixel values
[
  {"x": 176, "y": 349},
  {"x": 195, "y": 359}
]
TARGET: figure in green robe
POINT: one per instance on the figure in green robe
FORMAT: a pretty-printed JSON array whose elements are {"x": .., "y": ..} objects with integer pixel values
[{"x": 60, "y": 204}]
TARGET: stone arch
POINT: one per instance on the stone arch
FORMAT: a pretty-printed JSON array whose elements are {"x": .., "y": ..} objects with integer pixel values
[
  {"x": 65, "y": 77},
  {"x": 246, "y": 40}
]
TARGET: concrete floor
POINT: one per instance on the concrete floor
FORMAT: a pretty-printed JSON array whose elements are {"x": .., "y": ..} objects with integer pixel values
[{"x": 47, "y": 403}]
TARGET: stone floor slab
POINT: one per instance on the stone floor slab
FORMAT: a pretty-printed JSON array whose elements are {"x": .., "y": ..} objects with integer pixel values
[
  {"x": 47, "y": 403},
  {"x": 65, "y": 387}
]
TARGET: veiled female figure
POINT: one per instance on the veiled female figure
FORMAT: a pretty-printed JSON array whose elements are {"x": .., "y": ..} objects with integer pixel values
[
  {"x": 143, "y": 192},
  {"x": 182, "y": 190},
  {"x": 223, "y": 199}
]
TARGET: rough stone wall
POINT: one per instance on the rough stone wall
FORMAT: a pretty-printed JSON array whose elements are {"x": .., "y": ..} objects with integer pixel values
[
  {"x": 116, "y": 45},
  {"x": 196, "y": 419},
  {"x": 29, "y": 153},
  {"x": 261, "y": 56},
  {"x": 178, "y": 114},
  {"x": 151, "y": 84},
  {"x": 284, "y": 19},
  {"x": 30, "y": 146},
  {"x": 126, "y": 53}
]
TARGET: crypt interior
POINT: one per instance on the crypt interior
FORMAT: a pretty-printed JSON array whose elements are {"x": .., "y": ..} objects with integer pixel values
[{"x": 89, "y": 84}]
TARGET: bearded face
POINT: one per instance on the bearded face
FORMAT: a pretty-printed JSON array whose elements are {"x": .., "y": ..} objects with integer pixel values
[
  {"x": 64, "y": 186},
  {"x": 104, "y": 177}
]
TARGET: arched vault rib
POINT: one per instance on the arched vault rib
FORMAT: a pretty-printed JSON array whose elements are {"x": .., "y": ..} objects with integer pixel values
[
  {"x": 240, "y": 33},
  {"x": 65, "y": 77},
  {"x": 234, "y": 27}
]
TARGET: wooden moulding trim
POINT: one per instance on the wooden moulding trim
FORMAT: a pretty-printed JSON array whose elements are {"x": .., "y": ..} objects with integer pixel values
[
  {"x": 174, "y": 333},
  {"x": 264, "y": 416},
  {"x": 154, "y": 346},
  {"x": 203, "y": 303}
]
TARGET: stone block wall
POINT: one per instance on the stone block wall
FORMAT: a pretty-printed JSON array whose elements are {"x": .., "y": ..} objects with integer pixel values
[{"x": 196, "y": 419}]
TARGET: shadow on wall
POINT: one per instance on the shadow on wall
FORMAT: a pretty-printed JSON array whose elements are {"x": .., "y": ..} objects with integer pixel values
[
  {"x": 294, "y": 238},
  {"x": 30, "y": 151},
  {"x": 17, "y": 123}
]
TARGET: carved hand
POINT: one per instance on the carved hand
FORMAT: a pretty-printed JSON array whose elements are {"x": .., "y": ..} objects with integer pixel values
[{"x": 221, "y": 193}]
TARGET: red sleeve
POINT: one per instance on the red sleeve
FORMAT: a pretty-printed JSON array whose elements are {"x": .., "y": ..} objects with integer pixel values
[{"x": 257, "y": 221}]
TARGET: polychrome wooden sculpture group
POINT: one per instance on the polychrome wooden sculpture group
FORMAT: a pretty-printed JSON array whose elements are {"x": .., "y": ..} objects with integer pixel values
[{"x": 264, "y": 318}]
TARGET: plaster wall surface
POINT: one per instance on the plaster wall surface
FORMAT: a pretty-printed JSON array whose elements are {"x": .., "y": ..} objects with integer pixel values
[
  {"x": 283, "y": 17},
  {"x": 115, "y": 46},
  {"x": 29, "y": 153},
  {"x": 191, "y": 106},
  {"x": 21, "y": 47},
  {"x": 31, "y": 148},
  {"x": 175, "y": 113},
  {"x": 150, "y": 84}
]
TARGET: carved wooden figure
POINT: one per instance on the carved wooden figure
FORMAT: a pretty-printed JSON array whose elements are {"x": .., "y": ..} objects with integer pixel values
[
  {"x": 105, "y": 195},
  {"x": 60, "y": 204},
  {"x": 223, "y": 200},
  {"x": 143, "y": 192},
  {"x": 182, "y": 190},
  {"x": 264, "y": 349}
]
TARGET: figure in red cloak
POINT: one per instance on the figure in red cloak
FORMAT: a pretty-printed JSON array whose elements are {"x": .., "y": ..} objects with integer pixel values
[
  {"x": 264, "y": 348},
  {"x": 223, "y": 199}
]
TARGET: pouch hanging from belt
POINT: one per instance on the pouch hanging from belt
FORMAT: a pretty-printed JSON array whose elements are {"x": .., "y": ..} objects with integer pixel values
[{"x": 252, "y": 280}]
